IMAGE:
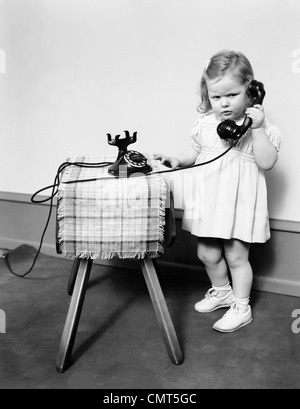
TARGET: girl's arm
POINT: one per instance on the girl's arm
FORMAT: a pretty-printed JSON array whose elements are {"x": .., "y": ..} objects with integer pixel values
[
  {"x": 264, "y": 151},
  {"x": 187, "y": 157}
]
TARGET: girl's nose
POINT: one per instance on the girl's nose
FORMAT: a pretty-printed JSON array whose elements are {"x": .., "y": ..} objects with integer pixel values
[{"x": 224, "y": 102}]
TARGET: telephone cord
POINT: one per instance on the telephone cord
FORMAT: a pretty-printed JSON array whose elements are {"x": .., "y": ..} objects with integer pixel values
[{"x": 56, "y": 183}]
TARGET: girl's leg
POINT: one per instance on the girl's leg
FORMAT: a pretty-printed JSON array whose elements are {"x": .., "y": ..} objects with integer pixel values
[
  {"x": 237, "y": 256},
  {"x": 240, "y": 314},
  {"x": 210, "y": 252}
]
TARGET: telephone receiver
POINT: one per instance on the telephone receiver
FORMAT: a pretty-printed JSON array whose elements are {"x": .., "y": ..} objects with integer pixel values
[
  {"x": 228, "y": 129},
  {"x": 128, "y": 161}
]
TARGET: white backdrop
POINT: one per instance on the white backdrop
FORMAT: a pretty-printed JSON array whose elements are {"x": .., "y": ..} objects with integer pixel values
[{"x": 78, "y": 69}]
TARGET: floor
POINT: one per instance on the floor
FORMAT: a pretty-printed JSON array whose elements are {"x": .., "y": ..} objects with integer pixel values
[{"x": 119, "y": 344}]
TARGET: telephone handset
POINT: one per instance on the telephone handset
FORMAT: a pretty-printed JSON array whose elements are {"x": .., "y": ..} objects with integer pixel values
[
  {"x": 127, "y": 162},
  {"x": 228, "y": 129}
]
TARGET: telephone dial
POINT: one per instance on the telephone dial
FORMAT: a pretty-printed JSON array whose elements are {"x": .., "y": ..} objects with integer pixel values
[
  {"x": 228, "y": 129},
  {"x": 128, "y": 161}
]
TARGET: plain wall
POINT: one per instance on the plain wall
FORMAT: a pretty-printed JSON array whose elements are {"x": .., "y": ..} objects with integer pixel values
[{"x": 78, "y": 69}]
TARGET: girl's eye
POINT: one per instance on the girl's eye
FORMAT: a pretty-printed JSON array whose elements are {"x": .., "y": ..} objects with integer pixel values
[{"x": 215, "y": 97}]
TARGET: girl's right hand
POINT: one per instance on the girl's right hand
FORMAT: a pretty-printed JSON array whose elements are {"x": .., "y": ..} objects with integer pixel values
[{"x": 169, "y": 161}]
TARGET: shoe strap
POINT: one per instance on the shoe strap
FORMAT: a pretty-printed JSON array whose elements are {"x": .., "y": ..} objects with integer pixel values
[
  {"x": 235, "y": 308},
  {"x": 211, "y": 293}
]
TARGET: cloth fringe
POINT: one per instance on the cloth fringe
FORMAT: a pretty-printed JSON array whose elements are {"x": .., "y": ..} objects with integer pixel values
[{"x": 110, "y": 255}]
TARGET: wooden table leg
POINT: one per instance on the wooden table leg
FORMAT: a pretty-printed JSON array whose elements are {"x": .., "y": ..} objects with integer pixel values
[
  {"x": 161, "y": 310},
  {"x": 73, "y": 275},
  {"x": 73, "y": 316}
]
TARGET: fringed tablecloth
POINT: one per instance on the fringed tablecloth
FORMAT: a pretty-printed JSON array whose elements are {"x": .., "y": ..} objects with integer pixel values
[{"x": 108, "y": 218}]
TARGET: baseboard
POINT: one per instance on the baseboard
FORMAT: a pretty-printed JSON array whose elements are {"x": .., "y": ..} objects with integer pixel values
[
  {"x": 50, "y": 250},
  {"x": 260, "y": 283},
  {"x": 292, "y": 226},
  {"x": 11, "y": 244},
  {"x": 277, "y": 285},
  {"x": 275, "y": 263}
]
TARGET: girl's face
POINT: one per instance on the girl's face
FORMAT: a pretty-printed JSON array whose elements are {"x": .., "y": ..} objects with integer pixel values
[{"x": 228, "y": 98}]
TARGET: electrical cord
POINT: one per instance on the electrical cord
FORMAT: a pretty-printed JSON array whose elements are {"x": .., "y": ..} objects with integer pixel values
[
  {"x": 54, "y": 191},
  {"x": 56, "y": 183}
]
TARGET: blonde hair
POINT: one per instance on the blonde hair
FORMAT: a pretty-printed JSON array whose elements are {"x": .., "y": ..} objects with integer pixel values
[{"x": 225, "y": 62}]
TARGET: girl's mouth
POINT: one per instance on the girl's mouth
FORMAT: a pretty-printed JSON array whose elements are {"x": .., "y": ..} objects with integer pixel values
[{"x": 227, "y": 113}]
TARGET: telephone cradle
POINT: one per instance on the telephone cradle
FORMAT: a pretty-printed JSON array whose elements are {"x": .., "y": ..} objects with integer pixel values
[{"x": 128, "y": 161}]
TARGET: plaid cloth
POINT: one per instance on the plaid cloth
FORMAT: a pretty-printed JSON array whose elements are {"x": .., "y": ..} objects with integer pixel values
[{"x": 108, "y": 218}]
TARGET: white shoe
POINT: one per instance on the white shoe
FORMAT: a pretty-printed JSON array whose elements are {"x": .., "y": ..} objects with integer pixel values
[
  {"x": 214, "y": 300},
  {"x": 234, "y": 319}
]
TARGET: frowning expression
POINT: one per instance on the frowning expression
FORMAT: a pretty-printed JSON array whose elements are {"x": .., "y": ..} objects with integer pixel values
[{"x": 228, "y": 98}]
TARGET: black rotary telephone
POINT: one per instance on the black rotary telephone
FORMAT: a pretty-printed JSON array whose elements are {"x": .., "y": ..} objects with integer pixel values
[
  {"x": 228, "y": 129},
  {"x": 127, "y": 162}
]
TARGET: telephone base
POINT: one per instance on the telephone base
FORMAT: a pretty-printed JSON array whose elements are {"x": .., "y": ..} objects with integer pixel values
[{"x": 128, "y": 172}]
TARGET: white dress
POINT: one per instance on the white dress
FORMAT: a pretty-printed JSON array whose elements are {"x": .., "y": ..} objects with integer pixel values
[{"x": 228, "y": 197}]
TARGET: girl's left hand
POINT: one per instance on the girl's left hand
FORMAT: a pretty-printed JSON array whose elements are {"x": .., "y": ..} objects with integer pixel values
[{"x": 257, "y": 114}]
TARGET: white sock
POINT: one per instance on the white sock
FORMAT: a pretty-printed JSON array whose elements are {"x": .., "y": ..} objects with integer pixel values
[
  {"x": 242, "y": 303},
  {"x": 223, "y": 289}
]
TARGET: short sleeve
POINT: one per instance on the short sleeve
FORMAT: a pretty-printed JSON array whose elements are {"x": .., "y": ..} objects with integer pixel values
[
  {"x": 195, "y": 135},
  {"x": 274, "y": 134}
]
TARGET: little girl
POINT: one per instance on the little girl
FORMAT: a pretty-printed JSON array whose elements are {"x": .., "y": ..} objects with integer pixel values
[{"x": 227, "y": 206}]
